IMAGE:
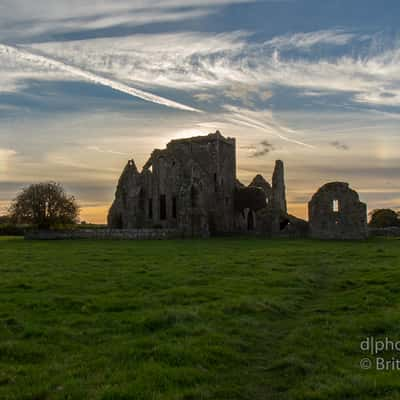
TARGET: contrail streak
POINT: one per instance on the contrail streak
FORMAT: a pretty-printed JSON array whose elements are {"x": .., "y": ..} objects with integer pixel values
[
  {"x": 46, "y": 61},
  {"x": 273, "y": 128}
]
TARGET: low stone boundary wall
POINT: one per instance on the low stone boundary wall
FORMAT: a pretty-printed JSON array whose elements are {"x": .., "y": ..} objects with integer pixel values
[
  {"x": 386, "y": 232},
  {"x": 105, "y": 234}
]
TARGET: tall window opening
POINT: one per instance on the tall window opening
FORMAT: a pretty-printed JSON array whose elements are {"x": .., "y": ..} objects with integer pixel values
[
  {"x": 250, "y": 221},
  {"x": 141, "y": 200},
  {"x": 215, "y": 183},
  {"x": 163, "y": 207},
  {"x": 335, "y": 205},
  {"x": 150, "y": 208}
]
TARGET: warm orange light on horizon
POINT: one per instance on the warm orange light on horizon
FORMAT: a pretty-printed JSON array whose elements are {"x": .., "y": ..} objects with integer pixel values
[
  {"x": 98, "y": 214},
  {"x": 94, "y": 214}
]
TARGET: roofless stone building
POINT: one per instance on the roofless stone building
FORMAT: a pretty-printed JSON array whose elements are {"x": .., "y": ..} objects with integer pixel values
[
  {"x": 192, "y": 186},
  {"x": 336, "y": 212}
]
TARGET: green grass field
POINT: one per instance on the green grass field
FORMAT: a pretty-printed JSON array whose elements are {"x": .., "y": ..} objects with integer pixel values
[{"x": 196, "y": 319}]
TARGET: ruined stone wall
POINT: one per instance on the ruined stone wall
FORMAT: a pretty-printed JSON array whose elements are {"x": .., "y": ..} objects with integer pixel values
[
  {"x": 105, "y": 234},
  {"x": 335, "y": 212},
  {"x": 161, "y": 185},
  {"x": 259, "y": 182},
  {"x": 225, "y": 187},
  {"x": 189, "y": 185},
  {"x": 124, "y": 211},
  {"x": 279, "y": 188},
  {"x": 267, "y": 204},
  {"x": 392, "y": 231}
]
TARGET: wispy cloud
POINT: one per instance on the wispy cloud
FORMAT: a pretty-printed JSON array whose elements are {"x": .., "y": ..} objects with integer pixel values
[
  {"x": 46, "y": 61},
  {"x": 129, "y": 18},
  {"x": 263, "y": 149},
  {"x": 185, "y": 60},
  {"x": 263, "y": 121},
  {"x": 382, "y": 97},
  {"x": 365, "y": 79},
  {"x": 339, "y": 145},
  {"x": 48, "y": 17},
  {"x": 204, "y": 97},
  {"x": 308, "y": 40},
  {"x": 233, "y": 65},
  {"x": 5, "y": 154},
  {"x": 5, "y": 157},
  {"x": 248, "y": 94},
  {"x": 106, "y": 151}
]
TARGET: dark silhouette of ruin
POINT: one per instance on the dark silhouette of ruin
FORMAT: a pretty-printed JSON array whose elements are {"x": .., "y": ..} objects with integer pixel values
[
  {"x": 191, "y": 186},
  {"x": 335, "y": 212}
]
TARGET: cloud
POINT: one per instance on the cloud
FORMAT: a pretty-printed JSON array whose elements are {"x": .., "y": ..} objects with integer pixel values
[
  {"x": 248, "y": 94},
  {"x": 48, "y": 17},
  {"x": 230, "y": 63},
  {"x": 234, "y": 119},
  {"x": 5, "y": 157},
  {"x": 383, "y": 98},
  {"x": 205, "y": 97},
  {"x": 370, "y": 78},
  {"x": 106, "y": 151},
  {"x": 212, "y": 67},
  {"x": 308, "y": 40},
  {"x": 135, "y": 18},
  {"x": 263, "y": 121},
  {"x": 45, "y": 61},
  {"x": 5, "y": 154},
  {"x": 265, "y": 148},
  {"x": 185, "y": 60},
  {"x": 315, "y": 93},
  {"x": 79, "y": 168},
  {"x": 339, "y": 145}
]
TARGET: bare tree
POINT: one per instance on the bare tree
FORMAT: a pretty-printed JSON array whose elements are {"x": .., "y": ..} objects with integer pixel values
[{"x": 44, "y": 205}]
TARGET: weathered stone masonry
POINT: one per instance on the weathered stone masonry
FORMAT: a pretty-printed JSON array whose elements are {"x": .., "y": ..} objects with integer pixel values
[
  {"x": 104, "y": 234},
  {"x": 191, "y": 186},
  {"x": 335, "y": 212}
]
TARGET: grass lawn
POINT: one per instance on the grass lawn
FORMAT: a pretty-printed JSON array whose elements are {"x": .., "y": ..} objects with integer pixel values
[{"x": 196, "y": 319}]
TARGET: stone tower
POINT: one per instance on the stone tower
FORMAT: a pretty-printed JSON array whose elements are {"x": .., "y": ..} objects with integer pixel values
[
  {"x": 188, "y": 186},
  {"x": 278, "y": 188}
]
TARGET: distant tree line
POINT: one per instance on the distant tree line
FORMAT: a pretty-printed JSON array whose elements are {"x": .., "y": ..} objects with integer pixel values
[{"x": 384, "y": 218}]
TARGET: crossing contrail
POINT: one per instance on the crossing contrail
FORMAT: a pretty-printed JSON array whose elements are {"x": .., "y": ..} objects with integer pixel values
[
  {"x": 274, "y": 128},
  {"x": 46, "y": 61}
]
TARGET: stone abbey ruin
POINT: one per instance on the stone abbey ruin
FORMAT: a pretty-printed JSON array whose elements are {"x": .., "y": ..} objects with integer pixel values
[
  {"x": 191, "y": 188},
  {"x": 335, "y": 212}
]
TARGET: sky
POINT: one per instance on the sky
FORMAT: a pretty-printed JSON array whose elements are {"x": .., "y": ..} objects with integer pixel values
[{"x": 86, "y": 86}]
